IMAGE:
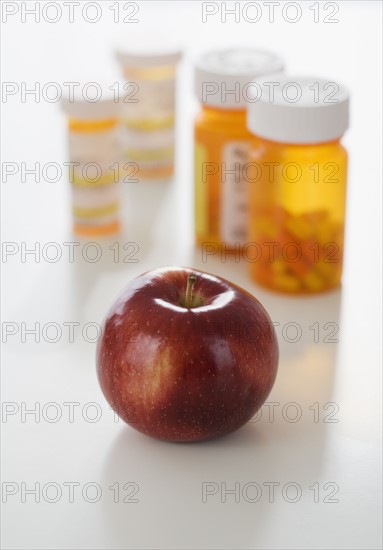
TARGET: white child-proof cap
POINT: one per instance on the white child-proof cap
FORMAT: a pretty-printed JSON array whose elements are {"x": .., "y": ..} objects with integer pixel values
[
  {"x": 148, "y": 49},
  {"x": 223, "y": 78},
  {"x": 298, "y": 109},
  {"x": 93, "y": 100}
]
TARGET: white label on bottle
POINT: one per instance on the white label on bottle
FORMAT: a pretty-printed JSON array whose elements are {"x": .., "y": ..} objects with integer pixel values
[
  {"x": 234, "y": 192},
  {"x": 154, "y": 99},
  {"x": 99, "y": 147}
]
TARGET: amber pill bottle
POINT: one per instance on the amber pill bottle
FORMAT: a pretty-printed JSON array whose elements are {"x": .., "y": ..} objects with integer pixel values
[
  {"x": 148, "y": 116},
  {"x": 93, "y": 112},
  {"x": 297, "y": 183},
  {"x": 222, "y": 82}
]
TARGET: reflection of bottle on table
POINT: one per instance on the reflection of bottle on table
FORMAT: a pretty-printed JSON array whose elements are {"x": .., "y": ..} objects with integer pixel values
[
  {"x": 297, "y": 174},
  {"x": 223, "y": 80},
  {"x": 94, "y": 151}
]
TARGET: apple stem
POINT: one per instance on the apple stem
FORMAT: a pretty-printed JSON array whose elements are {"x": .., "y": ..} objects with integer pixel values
[{"x": 189, "y": 290}]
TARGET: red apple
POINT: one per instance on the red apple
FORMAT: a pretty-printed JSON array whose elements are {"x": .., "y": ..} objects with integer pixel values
[{"x": 185, "y": 355}]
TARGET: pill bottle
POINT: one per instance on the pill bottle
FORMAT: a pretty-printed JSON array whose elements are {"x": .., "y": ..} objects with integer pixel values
[
  {"x": 94, "y": 170},
  {"x": 149, "y": 66},
  {"x": 223, "y": 81},
  {"x": 297, "y": 173}
]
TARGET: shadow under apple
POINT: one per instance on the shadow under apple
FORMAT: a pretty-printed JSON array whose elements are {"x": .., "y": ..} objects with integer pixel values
[
  {"x": 182, "y": 490},
  {"x": 214, "y": 494}
]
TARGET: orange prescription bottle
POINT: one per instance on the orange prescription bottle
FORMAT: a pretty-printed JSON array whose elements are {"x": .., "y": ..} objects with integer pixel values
[
  {"x": 223, "y": 80},
  {"x": 149, "y": 65},
  {"x": 297, "y": 180},
  {"x": 94, "y": 152}
]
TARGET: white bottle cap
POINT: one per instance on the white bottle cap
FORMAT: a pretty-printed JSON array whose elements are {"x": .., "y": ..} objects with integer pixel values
[
  {"x": 298, "y": 109},
  {"x": 223, "y": 78},
  {"x": 147, "y": 50},
  {"x": 93, "y": 100}
]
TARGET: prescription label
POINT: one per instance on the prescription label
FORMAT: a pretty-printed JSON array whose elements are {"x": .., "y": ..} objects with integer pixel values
[
  {"x": 234, "y": 192},
  {"x": 201, "y": 195}
]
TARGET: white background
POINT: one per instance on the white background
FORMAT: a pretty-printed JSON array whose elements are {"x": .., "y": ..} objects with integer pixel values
[{"x": 170, "y": 512}]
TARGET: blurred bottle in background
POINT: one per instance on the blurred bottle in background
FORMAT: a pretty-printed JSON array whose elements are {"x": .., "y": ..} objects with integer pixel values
[
  {"x": 149, "y": 65},
  {"x": 95, "y": 169},
  {"x": 223, "y": 80}
]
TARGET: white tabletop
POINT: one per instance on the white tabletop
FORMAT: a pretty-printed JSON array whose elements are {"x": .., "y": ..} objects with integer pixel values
[{"x": 306, "y": 473}]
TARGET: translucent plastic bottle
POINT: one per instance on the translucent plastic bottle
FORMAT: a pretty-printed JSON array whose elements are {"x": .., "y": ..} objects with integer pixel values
[
  {"x": 297, "y": 174},
  {"x": 148, "y": 117},
  {"x": 94, "y": 150},
  {"x": 223, "y": 81}
]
